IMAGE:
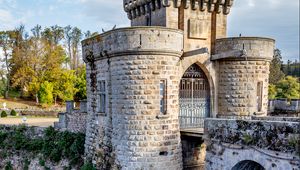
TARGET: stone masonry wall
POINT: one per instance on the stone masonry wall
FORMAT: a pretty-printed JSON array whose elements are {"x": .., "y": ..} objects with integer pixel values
[
  {"x": 238, "y": 85},
  {"x": 144, "y": 137},
  {"x": 132, "y": 133},
  {"x": 73, "y": 120},
  {"x": 284, "y": 105},
  {"x": 243, "y": 75},
  {"x": 272, "y": 144},
  {"x": 98, "y": 147}
]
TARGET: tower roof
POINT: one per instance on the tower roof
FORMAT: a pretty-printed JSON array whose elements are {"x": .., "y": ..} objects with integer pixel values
[{"x": 135, "y": 8}]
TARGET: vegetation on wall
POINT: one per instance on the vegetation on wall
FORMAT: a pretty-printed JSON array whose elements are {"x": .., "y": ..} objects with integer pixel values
[{"x": 53, "y": 146}]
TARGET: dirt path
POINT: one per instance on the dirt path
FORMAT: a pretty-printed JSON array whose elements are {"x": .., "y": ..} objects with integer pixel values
[{"x": 42, "y": 122}]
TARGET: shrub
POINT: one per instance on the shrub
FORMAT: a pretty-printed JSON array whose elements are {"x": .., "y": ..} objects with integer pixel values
[
  {"x": 42, "y": 162},
  {"x": 63, "y": 144},
  {"x": 8, "y": 166},
  {"x": 3, "y": 114},
  {"x": 53, "y": 146},
  {"x": 26, "y": 164},
  {"x": 45, "y": 94},
  {"x": 88, "y": 166},
  {"x": 13, "y": 112}
]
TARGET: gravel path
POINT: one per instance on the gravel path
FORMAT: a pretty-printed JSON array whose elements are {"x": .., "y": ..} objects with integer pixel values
[{"x": 42, "y": 122}]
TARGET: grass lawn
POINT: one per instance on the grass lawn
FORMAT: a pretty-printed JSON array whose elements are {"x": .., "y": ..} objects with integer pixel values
[{"x": 17, "y": 103}]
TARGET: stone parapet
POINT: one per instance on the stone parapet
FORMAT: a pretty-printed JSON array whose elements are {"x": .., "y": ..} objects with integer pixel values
[
  {"x": 274, "y": 118},
  {"x": 244, "y": 48},
  {"x": 134, "y": 41},
  {"x": 73, "y": 120},
  {"x": 272, "y": 144},
  {"x": 281, "y": 136}
]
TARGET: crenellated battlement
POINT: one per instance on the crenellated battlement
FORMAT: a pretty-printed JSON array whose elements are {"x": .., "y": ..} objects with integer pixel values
[{"x": 136, "y": 8}]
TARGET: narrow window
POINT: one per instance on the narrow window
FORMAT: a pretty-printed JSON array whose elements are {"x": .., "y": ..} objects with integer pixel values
[
  {"x": 259, "y": 95},
  {"x": 148, "y": 21},
  {"x": 149, "y": 15},
  {"x": 181, "y": 17},
  {"x": 163, "y": 96},
  {"x": 102, "y": 97}
]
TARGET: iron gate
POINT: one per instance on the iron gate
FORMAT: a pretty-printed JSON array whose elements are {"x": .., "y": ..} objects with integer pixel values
[{"x": 194, "y": 98}]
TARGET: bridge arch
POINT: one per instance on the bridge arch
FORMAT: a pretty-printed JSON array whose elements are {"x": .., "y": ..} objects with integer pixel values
[{"x": 248, "y": 165}]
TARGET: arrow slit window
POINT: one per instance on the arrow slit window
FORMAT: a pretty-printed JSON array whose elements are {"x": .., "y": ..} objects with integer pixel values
[
  {"x": 163, "y": 96},
  {"x": 259, "y": 95},
  {"x": 102, "y": 96}
]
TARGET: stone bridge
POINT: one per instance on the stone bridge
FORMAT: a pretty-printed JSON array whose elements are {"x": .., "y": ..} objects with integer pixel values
[{"x": 260, "y": 143}]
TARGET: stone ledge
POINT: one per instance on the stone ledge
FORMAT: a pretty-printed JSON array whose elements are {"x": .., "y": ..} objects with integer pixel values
[
  {"x": 246, "y": 38},
  {"x": 134, "y": 41},
  {"x": 98, "y": 37},
  {"x": 246, "y": 48}
]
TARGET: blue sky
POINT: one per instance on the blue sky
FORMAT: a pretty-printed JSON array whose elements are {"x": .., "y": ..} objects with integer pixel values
[{"x": 278, "y": 19}]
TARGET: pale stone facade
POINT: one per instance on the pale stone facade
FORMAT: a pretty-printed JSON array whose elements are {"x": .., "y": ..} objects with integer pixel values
[{"x": 134, "y": 78}]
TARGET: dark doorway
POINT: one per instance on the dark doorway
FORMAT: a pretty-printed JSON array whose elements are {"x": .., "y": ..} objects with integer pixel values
[{"x": 248, "y": 165}]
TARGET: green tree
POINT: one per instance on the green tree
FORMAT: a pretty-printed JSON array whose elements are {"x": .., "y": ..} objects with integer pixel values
[
  {"x": 58, "y": 34},
  {"x": 6, "y": 44},
  {"x": 76, "y": 37},
  {"x": 45, "y": 93},
  {"x": 40, "y": 60},
  {"x": 272, "y": 91},
  {"x": 80, "y": 84},
  {"x": 68, "y": 41},
  {"x": 288, "y": 88},
  {"x": 20, "y": 60},
  {"x": 275, "y": 68},
  {"x": 66, "y": 85}
]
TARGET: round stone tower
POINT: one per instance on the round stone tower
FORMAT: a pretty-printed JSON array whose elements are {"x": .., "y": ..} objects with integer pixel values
[
  {"x": 133, "y": 84},
  {"x": 243, "y": 66}
]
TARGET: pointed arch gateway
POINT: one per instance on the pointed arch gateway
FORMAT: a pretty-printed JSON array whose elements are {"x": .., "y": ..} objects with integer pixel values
[{"x": 194, "y": 98}]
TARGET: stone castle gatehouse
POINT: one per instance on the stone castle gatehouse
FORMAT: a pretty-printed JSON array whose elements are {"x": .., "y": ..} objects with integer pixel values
[{"x": 151, "y": 86}]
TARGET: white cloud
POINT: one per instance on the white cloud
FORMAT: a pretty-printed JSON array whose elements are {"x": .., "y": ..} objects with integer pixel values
[
  {"x": 278, "y": 19},
  {"x": 8, "y": 3},
  {"x": 251, "y": 3},
  {"x": 108, "y": 13}
]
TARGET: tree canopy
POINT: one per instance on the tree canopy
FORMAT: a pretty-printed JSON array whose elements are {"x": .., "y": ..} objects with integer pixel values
[
  {"x": 45, "y": 64},
  {"x": 284, "y": 78}
]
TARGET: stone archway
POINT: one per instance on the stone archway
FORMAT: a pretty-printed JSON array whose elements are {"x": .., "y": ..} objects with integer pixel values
[
  {"x": 194, "y": 98},
  {"x": 248, "y": 165}
]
